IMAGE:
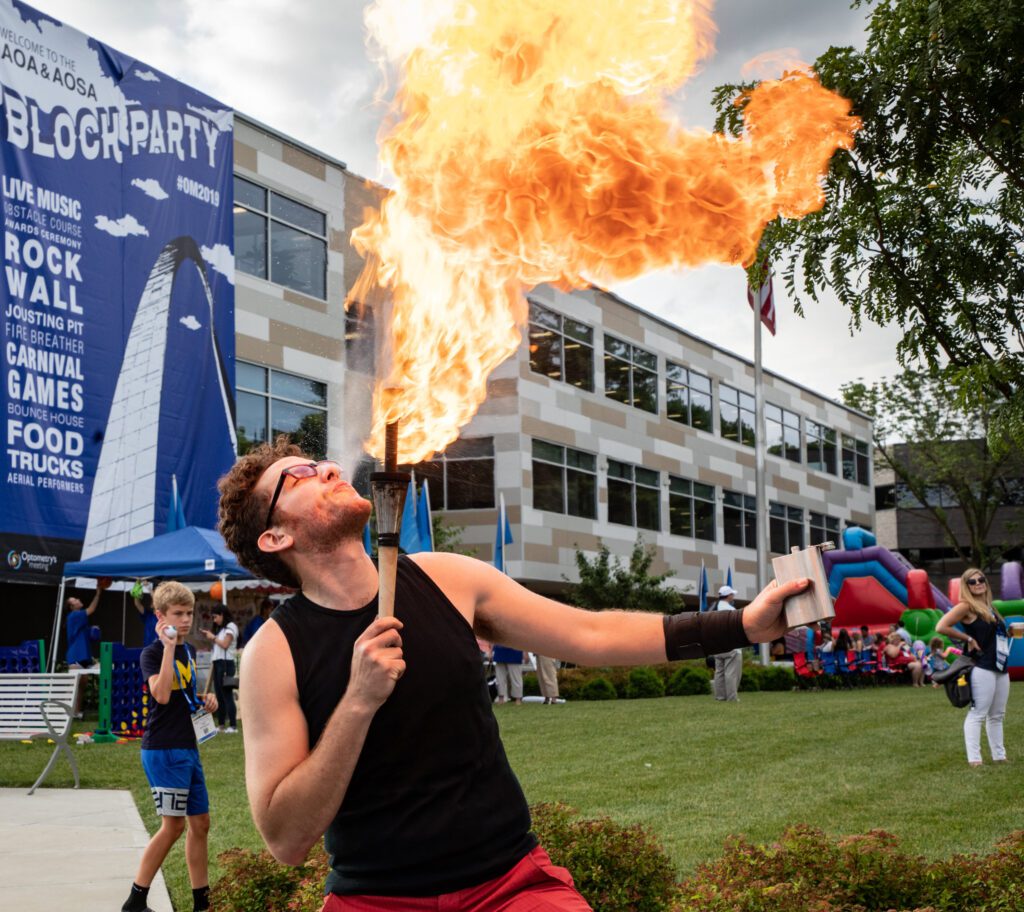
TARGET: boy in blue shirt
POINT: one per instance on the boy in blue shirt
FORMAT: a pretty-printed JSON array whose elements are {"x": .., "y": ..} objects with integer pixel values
[{"x": 170, "y": 749}]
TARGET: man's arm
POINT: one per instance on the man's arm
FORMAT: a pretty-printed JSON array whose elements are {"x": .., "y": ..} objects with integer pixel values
[
  {"x": 294, "y": 792},
  {"x": 100, "y": 588},
  {"x": 502, "y": 611}
]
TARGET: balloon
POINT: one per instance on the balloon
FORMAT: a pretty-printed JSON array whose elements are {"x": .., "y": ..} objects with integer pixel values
[
  {"x": 216, "y": 592},
  {"x": 105, "y": 582}
]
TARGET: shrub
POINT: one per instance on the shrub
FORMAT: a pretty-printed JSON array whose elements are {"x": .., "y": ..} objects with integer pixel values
[
  {"x": 688, "y": 681},
  {"x": 598, "y": 689},
  {"x": 254, "y": 881},
  {"x": 751, "y": 678},
  {"x": 643, "y": 683},
  {"x": 777, "y": 677},
  {"x": 616, "y": 868}
]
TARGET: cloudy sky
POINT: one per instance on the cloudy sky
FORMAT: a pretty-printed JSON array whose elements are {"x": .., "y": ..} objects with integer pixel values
[{"x": 301, "y": 66}]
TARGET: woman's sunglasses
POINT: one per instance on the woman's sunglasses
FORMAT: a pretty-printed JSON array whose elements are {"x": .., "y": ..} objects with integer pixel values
[{"x": 977, "y": 581}]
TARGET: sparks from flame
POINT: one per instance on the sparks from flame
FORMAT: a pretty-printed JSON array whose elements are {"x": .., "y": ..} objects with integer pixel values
[{"x": 531, "y": 144}]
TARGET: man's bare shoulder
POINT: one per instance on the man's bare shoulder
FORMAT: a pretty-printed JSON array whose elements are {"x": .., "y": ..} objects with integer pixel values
[{"x": 268, "y": 654}]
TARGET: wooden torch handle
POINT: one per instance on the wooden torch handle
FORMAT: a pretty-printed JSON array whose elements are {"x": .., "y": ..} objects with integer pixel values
[{"x": 387, "y": 569}]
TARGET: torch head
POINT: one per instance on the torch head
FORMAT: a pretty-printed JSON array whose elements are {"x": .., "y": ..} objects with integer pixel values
[{"x": 388, "y": 490}]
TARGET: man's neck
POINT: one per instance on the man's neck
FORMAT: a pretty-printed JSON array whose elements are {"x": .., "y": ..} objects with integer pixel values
[{"x": 344, "y": 579}]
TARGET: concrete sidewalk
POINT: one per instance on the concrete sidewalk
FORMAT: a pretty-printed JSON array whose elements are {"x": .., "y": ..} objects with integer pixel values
[{"x": 71, "y": 849}]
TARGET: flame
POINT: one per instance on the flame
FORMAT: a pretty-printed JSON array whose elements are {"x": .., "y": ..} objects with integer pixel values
[{"x": 532, "y": 144}]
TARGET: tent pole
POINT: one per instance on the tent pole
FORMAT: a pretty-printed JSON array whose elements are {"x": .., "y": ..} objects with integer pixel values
[
  {"x": 224, "y": 589},
  {"x": 55, "y": 639}
]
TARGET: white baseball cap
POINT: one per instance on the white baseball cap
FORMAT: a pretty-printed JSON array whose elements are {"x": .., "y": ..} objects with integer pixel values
[{"x": 726, "y": 591}]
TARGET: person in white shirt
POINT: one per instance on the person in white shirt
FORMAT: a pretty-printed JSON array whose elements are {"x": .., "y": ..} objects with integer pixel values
[
  {"x": 728, "y": 665},
  {"x": 225, "y": 643}
]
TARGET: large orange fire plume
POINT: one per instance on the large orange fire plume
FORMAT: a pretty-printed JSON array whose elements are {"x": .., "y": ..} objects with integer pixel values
[{"x": 532, "y": 144}]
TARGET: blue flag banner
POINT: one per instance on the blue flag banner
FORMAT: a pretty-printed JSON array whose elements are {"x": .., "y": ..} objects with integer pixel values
[
  {"x": 409, "y": 536},
  {"x": 175, "y": 512},
  {"x": 502, "y": 535},
  {"x": 728, "y": 578},
  {"x": 118, "y": 297},
  {"x": 367, "y": 543},
  {"x": 702, "y": 591},
  {"x": 424, "y": 524}
]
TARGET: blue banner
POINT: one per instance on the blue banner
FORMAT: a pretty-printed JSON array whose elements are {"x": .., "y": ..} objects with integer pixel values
[{"x": 118, "y": 297}]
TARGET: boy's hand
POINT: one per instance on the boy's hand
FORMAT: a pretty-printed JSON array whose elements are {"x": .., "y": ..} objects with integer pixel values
[{"x": 210, "y": 701}]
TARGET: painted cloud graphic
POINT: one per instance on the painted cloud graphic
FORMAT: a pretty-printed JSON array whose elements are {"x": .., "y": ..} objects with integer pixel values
[
  {"x": 151, "y": 187},
  {"x": 122, "y": 227},
  {"x": 221, "y": 260}
]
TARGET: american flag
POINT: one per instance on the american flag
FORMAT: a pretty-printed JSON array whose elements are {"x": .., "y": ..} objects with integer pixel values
[{"x": 762, "y": 299}]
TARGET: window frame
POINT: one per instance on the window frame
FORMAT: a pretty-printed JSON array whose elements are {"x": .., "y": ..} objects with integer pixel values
[
  {"x": 633, "y": 367},
  {"x": 786, "y": 420},
  {"x": 860, "y": 452},
  {"x": 747, "y": 510},
  {"x": 442, "y": 500},
  {"x": 740, "y": 403},
  {"x": 565, "y": 471},
  {"x": 563, "y": 336},
  {"x": 673, "y": 384},
  {"x": 269, "y": 219},
  {"x": 827, "y": 528},
  {"x": 635, "y": 487},
  {"x": 816, "y": 435},
  {"x": 694, "y": 498},
  {"x": 792, "y": 526},
  {"x": 270, "y": 396}
]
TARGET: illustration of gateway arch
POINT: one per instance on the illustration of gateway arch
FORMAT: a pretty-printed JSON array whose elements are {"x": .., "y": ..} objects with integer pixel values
[{"x": 123, "y": 504}]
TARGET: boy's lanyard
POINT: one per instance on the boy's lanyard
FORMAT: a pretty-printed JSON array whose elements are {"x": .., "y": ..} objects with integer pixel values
[{"x": 190, "y": 697}]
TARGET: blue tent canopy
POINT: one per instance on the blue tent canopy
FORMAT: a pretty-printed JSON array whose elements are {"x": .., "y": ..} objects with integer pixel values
[{"x": 191, "y": 553}]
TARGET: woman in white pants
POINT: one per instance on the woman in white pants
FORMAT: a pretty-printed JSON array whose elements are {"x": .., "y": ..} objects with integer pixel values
[{"x": 984, "y": 631}]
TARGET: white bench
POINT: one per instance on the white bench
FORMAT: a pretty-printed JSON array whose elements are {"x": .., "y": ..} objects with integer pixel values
[{"x": 39, "y": 706}]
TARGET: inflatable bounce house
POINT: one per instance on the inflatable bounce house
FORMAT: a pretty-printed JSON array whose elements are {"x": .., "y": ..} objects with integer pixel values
[{"x": 875, "y": 587}]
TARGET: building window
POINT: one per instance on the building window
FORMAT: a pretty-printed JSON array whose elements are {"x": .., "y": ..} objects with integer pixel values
[
  {"x": 885, "y": 497},
  {"x": 691, "y": 508},
  {"x": 856, "y": 460},
  {"x": 782, "y": 430},
  {"x": 821, "y": 448},
  {"x": 634, "y": 496},
  {"x": 736, "y": 415},
  {"x": 739, "y": 516},
  {"x": 279, "y": 239},
  {"x": 461, "y": 478},
  {"x": 564, "y": 480},
  {"x": 561, "y": 348},
  {"x": 785, "y": 528},
  {"x": 823, "y": 528},
  {"x": 360, "y": 340},
  {"x": 689, "y": 396},
  {"x": 272, "y": 402},
  {"x": 630, "y": 374}
]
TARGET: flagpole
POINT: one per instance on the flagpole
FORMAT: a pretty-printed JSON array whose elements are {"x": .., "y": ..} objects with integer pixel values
[{"x": 759, "y": 481}]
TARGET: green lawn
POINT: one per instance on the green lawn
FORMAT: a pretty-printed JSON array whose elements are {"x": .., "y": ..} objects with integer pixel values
[{"x": 692, "y": 769}]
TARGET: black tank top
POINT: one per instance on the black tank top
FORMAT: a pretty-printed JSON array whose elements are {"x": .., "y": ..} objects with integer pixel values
[
  {"x": 433, "y": 805},
  {"x": 984, "y": 633}
]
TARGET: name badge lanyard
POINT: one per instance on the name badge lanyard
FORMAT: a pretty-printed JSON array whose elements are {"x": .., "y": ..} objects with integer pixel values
[{"x": 190, "y": 695}]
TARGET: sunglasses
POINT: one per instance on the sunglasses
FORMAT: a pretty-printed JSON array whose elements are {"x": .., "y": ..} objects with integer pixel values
[
  {"x": 302, "y": 470},
  {"x": 977, "y": 581}
]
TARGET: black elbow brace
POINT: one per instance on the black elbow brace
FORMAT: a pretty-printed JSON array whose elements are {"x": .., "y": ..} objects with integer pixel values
[{"x": 695, "y": 634}]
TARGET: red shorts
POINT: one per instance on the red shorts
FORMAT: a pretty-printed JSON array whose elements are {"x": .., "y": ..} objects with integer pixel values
[{"x": 533, "y": 885}]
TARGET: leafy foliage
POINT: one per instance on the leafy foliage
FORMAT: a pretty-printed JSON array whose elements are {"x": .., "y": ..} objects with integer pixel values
[
  {"x": 605, "y": 583},
  {"x": 644, "y": 683},
  {"x": 688, "y": 681},
  {"x": 616, "y": 868},
  {"x": 923, "y": 218},
  {"x": 951, "y": 457},
  {"x": 598, "y": 689},
  {"x": 806, "y": 871}
]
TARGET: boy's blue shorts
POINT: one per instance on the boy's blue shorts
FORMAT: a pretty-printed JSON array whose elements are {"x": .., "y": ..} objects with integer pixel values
[{"x": 176, "y": 779}]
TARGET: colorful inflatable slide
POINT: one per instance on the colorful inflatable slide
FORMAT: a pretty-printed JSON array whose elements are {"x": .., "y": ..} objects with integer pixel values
[{"x": 874, "y": 587}]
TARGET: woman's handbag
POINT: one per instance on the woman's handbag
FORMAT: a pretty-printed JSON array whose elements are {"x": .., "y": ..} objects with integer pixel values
[{"x": 957, "y": 681}]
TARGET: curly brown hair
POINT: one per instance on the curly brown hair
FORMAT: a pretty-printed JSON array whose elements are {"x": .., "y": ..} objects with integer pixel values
[{"x": 242, "y": 512}]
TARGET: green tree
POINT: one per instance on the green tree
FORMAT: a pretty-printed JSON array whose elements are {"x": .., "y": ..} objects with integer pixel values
[
  {"x": 448, "y": 537},
  {"x": 946, "y": 456},
  {"x": 605, "y": 583},
  {"x": 923, "y": 218}
]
